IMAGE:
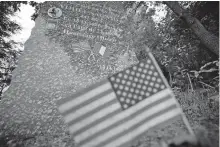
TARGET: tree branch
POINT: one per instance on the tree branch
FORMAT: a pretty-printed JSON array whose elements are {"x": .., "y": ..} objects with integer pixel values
[{"x": 208, "y": 39}]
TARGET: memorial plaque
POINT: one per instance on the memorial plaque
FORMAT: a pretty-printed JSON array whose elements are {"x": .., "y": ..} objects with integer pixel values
[{"x": 91, "y": 33}]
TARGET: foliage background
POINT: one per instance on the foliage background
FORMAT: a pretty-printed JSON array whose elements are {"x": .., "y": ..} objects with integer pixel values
[{"x": 180, "y": 54}]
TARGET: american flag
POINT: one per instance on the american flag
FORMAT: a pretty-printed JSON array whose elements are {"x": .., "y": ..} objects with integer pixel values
[
  {"x": 81, "y": 46},
  {"x": 117, "y": 111}
]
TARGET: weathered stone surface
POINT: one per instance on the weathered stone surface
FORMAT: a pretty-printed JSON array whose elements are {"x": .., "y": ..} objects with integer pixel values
[{"x": 53, "y": 66}]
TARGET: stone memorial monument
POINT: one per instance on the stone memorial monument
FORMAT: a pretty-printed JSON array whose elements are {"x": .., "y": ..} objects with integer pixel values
[{"x": 72, "y": 45}]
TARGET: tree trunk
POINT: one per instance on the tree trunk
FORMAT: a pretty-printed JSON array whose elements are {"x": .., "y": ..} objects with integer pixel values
[{"x": 208, "y": 39}]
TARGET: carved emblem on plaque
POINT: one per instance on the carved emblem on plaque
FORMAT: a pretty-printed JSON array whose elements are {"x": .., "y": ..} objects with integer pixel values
[
  {"x": 51, "y": 26},
  {"x": 54, "y": 12}
]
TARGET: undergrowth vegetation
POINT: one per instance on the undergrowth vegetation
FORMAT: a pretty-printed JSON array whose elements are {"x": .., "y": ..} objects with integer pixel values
[{"x": 201, "y": 109}]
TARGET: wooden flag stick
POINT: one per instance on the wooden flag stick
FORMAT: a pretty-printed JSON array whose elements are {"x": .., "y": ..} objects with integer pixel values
[
  {"x": 165, "y": 81},
  {"x": 186, "y": 122},
  {"x": 127, "y": 47}
]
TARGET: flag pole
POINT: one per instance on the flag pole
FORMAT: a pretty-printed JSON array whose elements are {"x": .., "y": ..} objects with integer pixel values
[
  {"x": 128, "y": 47},
  {"x": 186, "y": 122}
]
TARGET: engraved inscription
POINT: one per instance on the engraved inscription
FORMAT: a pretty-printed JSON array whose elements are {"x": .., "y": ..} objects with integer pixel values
[{"x": 93, "y": 33}]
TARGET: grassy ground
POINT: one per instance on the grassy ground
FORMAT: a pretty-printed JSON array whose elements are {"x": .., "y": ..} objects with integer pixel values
[{"x": 201, "y": 111}]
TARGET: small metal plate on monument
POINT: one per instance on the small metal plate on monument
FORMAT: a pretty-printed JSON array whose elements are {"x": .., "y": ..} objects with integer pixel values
[
  {"x": 54, "y": 12},
  {"x": 51, "y": 26}
]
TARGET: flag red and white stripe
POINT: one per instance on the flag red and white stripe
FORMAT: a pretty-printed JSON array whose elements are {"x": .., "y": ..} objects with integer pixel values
[{"x": 118, "y": 110}]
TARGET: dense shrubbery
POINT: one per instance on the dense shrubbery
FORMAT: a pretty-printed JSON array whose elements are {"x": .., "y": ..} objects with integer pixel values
[
  {"x": 9, "y": 50},
  {"x": 184, "y": 60}
]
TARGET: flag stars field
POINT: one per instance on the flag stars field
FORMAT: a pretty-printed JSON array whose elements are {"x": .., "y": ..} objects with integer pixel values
[{"x": 136, "y": 76}]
